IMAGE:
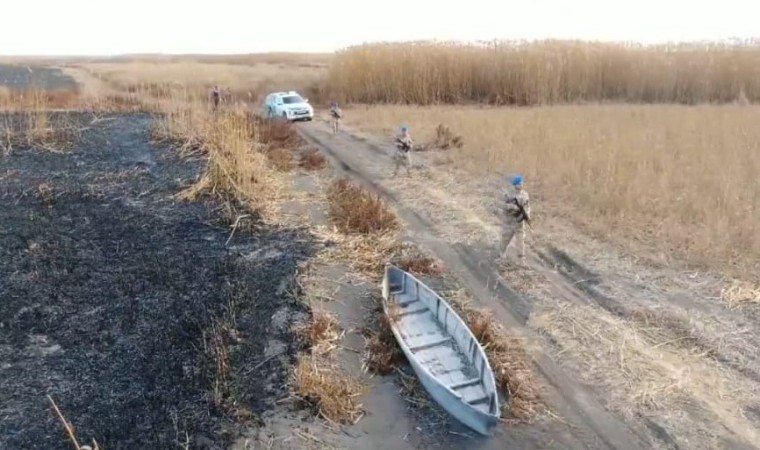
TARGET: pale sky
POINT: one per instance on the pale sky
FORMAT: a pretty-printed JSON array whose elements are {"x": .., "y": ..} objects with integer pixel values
[{"x": 106, "y": 27}]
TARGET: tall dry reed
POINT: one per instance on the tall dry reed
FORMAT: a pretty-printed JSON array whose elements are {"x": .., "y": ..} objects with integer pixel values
[
  {"x": 233, "y": 141},
  {"x": 193, "y": 78},
  {"x": 544, "y": 72}
]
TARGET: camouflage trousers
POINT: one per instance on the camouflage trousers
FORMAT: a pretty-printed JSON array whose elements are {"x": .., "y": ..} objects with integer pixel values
[
  {"x": 334, "y": 123},
  {"x": 510, "y": 231},
  {"x": 401, "y": 159}
]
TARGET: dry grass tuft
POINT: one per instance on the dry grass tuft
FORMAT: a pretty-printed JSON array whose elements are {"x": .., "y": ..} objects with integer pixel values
[
  {"x": 326, "y": 387},
  {"x": 238, "y": 166},
  {"x": 366, "y": 253},
  {"x": 382, "y": 354},
  {"x": 741, "y": 294},
  {"x": 276, "y": 132},
  {"x": 280, "y": 158},
  {"x": 319, "y": 333},
  {"x": 411, "y": 259},
  {"x": 31, "y": 99},
  {"x": 312, "y": 159},
  {"x": 216, "y": 343},
  {"x": 355, "y": 210},
  {"x": 445, "y": 139},
  {"x": 36, "y": 127},
  {"x": 279, "y": 139},
  {"x": 510, "y": 362}
]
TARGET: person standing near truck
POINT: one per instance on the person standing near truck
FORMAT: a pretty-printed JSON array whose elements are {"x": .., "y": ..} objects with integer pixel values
[{"x": 335, "y": 115}]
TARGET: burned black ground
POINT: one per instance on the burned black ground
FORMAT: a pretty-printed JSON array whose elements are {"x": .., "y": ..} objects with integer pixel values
[
  {"x": 108, "y": 287},
  {"x": 24, "y": 76}
]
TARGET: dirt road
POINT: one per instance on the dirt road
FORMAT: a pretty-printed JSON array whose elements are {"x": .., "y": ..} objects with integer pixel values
[
  {"x": 607, "y": 400},
  {"x": 596, "y": 427}
]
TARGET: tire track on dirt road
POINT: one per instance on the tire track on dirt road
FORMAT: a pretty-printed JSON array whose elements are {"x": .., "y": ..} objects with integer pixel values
[{"x": 593, "y": 424}]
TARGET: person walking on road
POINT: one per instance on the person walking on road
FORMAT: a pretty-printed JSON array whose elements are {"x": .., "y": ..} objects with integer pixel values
[
  {"x": 403, "y": 155},
  {"x": 335, "y": 115},
  {"x": 516, "y": 214}
]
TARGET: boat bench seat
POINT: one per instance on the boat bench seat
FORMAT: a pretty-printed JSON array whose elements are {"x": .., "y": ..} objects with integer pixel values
[
  {"x": 405, "y": 298},
  {"x": 428, "y": 341}
]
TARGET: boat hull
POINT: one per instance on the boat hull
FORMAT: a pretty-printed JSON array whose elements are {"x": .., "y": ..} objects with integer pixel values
[{"x": 397, "y": 281}]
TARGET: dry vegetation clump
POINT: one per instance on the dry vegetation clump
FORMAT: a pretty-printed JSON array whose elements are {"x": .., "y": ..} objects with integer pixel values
[
  {"x": 741, "y": 294},
  {"x": 312, "y": 159},
  {"x": 328, "y": 389},
  {"x": 445, "y": 139},
  {"x": 276, "y": 132},
  {"x": 318, "y": 380},
  {"x": 547, "y": 72},
  {"x": 280, "y": 140},
  {"x": 238, "y": 167},
  {"x": 510, "y": 362},
  {"x": 232, "y": 165},
  {"x": 412, "y": 259},
  {"x": 320, "y": 332},
  {"x": 370, "y": 233},
  {"x": 216, "y": 343},
  {"x": 381, "y": 352},
  {"x": 670, "y": 327},
  {"x": 280, "y": 158},
  {"x": 39, "y": 129},
  {"x": 355, "y": 210},
  {"x": 33, "y": 99},
  {"x": 367, "y": 253}
]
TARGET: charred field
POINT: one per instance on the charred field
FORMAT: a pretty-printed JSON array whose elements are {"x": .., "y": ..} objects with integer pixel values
[
  {"x": 16, "y": 76},
  {"x": 139, "y": 314}
]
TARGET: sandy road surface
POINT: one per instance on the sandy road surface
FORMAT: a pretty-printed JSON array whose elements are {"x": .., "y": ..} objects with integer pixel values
[
  {"x": 637, "y": 388},
  {"x": 392, "y": 420}
]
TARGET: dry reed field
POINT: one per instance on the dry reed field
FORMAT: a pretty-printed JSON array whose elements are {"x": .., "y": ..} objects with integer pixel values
[
  {"x": 194, "y": 77},
  {"x": 680, "y": 178},
  {"x": 652, "y": 147},
  {"x": 544, "y": 72}
]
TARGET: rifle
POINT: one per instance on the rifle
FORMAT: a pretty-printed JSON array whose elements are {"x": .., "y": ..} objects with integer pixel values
[
  {"x": 405, "y": 146},
  {"x": 522, "y": 214}
]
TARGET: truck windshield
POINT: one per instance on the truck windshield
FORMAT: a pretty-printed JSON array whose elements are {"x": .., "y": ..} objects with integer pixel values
[{"x": 292, "y": 99}]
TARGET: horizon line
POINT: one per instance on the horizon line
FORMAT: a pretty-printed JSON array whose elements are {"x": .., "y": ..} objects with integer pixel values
[{"x": 731, "y": 41}]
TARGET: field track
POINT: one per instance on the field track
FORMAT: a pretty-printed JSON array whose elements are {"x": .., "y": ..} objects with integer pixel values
[{"x": 595, "y": 426}]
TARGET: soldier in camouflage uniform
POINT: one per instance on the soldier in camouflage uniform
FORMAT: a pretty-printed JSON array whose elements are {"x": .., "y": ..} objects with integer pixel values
[
  {"x": 516, "y": 213},
  {"x": 335, "y": 115},
  {"x": 216, "y": 96},
  {"x": 403, "y": 155}
]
